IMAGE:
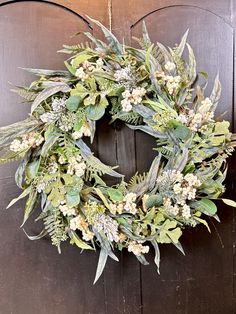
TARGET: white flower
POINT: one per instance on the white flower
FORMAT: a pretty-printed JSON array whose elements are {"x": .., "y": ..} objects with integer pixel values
[
  {"x": 61, "y": 160},
  {"x": 52, "y": 167},
  {"x": 197, "y": 118},
  {"x": 99, "y": 64},
  {"x": 169, "y": 66},
  {"x": 16, "y": 146},
  {"x": 186, "y": 212},
  {"x": 80, "y": 169},
  {"x": 109, "y": 226},
  {"x": 78, "y": 222},
  {"x": 177, "y": 188},
  {"x": 130, "y": 208},
  {"x": 192, "y": 180},
  {"x": 116, "y": 208},
  {"x": 130, "y": 205},
  {"x": 81, "y": 74},
  {"x": 137, "y": 94},
  {"x": 88, "y": 66},
  {"x": 41, "y": 187},
  {"x": 132, "y": 98},
  {"x": 48, "y": 117},
  {"x": 87, "y": 235},
  {"x": 167, "y": 202},
  {"x": 174, "y": 210},
  {"x": 182, "y": 118},
  {"x": 84, "y": 131},
  {"x": 58, "y": 108},
  {"x": 76, "y": 166},
  {"x": 126, "y": 105},
  {"x": 130, "y": 197},
  {"x": 123, "y": 74},
  {"x": 67, "y": 211},
  {"x": 137, "y": 248},
  {"x": 28, "y": 140},
  {"x": 206, "y": 105},
  {"x": 172, "y": 83},
  {"x": 58, "y": 104}
]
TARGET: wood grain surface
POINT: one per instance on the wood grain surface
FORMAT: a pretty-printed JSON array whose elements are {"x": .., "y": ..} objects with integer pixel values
[{"x": 34, "y": 278}]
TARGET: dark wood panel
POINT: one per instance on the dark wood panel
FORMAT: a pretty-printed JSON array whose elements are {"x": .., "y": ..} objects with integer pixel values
[
  {"x": 34, "y": 277},
  {"x": 202, "y": 281}
]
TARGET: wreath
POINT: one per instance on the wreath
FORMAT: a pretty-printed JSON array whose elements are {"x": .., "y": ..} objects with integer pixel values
[{"x": 152, "y": 89}]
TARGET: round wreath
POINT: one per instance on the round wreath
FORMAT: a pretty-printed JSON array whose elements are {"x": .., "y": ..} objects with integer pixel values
[{"x": 152, "y": 89}]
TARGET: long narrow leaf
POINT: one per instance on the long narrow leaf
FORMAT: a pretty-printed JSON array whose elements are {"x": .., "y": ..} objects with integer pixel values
[
  {"x": 47, "y": 92},
  {"x": 101, "y": 264}
]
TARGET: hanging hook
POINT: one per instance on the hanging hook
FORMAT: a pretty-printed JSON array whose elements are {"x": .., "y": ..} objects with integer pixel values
[{"x": 110, "y": 14}]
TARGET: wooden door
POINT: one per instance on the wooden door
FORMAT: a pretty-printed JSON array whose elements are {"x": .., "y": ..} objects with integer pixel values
[{"x": 34, "y": 279}]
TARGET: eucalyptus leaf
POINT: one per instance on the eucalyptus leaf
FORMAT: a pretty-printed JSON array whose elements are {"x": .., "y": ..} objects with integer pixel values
[
  {"x": 73, "y": 102},
  {"x": 95, "y": 112},
  {"x": 101, "y": 264},
  {"x": 154, "y": 200}
]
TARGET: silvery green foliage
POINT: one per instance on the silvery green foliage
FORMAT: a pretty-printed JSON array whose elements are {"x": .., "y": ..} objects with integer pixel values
[{"x": 152, "y": 90}]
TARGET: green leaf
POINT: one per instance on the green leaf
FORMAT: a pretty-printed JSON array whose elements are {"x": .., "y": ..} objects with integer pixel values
[
  {"x": 221, "y": 128},
  {"x": 207, "y": 206},
  {"x": 36, "y": 237},
  {"x": 94, "y": 112},
  {"x": 115, "y": 195},
  {"x": 77, "y": 241},
  {"x": 157, "y": 255},
  {"x": 101, "y": 264},
  {"x": 216, "y": 92},
  {"x": 204, "y": 74},
  {"x": 202, "y": 221},
  {"x": 32, "y": 169},
  {"x": 229, "y": 202},
  {"x": 192, "y": 65},
  {"x": 47, "y": 92},
  {"x": 19, "y": 175},
  {"x": 113, "y": 41},
  {"x": 70, "y": 68},
  {"x": 175, "y": 234},
  {"x": 80, "y": 59},
  {"x": 178, "y": 245},
  {"x": 49, "y": 142},
  {"x": 94, "y": 162},
  {"x": 141, "y": 258},
  {"x": 73, "y": 103},
  {"x": 169, "y": 232},
  {"x": 148, "y": 56},
  {"x": 181, "y": 46},
  {"x": 102, "y": 197},
  {"x": 79, "y": 90},
  {"x": 98, "y": 180},
  {"x": 72, "y": 200},
  {"x": 22, "y": 195},
  {"x": 182, "y": 132},
  {"x": 44, "y": 72},
  {"x": 154, "y": 200},
  {"x": 29, "y": 205}
]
